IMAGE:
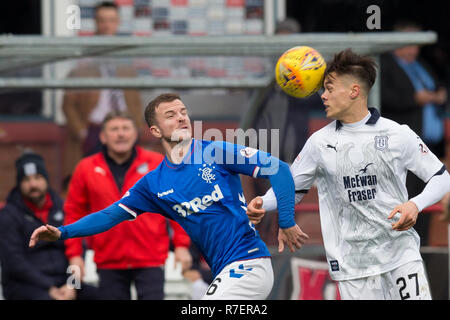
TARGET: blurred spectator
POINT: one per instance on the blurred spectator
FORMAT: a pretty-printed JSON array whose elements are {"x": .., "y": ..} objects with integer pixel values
[
  {"x": 291, "y": 116},
  {"x": 446, "y": 208},
  {"x": 287, "y": 26},
  {"x": 411, "y": 95},
  {"x": 132, "y": 251},
  {"x": 65, "y": 186},
  {"x": 39, "y": 273},
  {"x": 84, "y": 110}
]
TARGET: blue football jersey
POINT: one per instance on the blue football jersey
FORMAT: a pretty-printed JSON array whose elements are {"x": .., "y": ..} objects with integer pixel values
[{"x": 204, "y": 195}]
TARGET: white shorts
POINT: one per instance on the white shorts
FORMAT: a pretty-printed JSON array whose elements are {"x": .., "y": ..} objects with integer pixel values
[
  {"x": 407, "y": 282},
  {"x": 242, "y": 280}
]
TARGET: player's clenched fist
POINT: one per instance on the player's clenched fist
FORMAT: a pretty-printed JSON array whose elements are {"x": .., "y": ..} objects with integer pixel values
[
  {"x": 255, "y": 211},
  {"x": 46, "y": 233}
]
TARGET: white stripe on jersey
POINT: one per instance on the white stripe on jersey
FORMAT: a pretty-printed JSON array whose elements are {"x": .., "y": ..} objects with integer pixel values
[
  {"x": 255, "y": 172},
  {"x": 128, "y": 210}
]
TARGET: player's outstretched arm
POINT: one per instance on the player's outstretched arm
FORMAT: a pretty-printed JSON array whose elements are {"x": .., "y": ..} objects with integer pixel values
[
  {"x": 284, "y": 189},
  {"x": 89, "y": 225}
]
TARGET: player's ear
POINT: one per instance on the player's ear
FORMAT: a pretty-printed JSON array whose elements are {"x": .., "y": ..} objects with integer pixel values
[
  {"x": 155, "y": 131},
  {"x": 355, "y": 91}
]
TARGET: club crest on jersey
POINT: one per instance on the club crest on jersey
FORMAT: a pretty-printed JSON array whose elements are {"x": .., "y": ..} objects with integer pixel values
[
  {"x": 248, "y": 152},
  {"x": 422, "y": 146},
  {"x": 381, "y": 142},
  {"x": 206, "y": 173}
]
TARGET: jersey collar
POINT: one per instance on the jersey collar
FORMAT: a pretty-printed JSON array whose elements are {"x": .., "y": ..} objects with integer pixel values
[
  {"x": 374, "y": 116},
  {"x": 185, "y": 158}
]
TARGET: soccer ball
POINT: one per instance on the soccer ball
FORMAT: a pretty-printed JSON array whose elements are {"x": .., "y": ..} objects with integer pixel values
[{"x": 299, "y": 71}]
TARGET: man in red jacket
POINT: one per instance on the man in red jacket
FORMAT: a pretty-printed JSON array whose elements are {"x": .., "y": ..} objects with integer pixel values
[{"x": 132, "y": 251}]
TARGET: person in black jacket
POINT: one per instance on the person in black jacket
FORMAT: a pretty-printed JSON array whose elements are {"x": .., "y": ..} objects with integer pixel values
[{"x": 40, "y": 273}]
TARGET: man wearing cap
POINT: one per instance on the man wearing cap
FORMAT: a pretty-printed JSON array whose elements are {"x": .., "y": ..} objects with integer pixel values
[{"x": 39, "y": 273}]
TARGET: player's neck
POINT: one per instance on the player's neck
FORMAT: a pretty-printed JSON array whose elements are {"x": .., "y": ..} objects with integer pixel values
[
  {"x": 356, "y": 113},
  {"x": 176, "y": 151}
]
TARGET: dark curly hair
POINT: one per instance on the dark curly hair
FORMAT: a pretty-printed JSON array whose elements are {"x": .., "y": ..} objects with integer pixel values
[{"x": 347, "y": 62}]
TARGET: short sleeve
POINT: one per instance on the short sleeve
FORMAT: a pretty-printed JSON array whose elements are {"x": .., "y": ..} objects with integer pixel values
[{"x": 417, "y": 157}]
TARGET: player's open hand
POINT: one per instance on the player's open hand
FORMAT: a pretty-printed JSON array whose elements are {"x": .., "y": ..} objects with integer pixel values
[
  {"x": 294, "y": 237},
  {"x": 45, "y": 233},
  {"x": 255, "y": 211},
  {"x": 408, "y": 216}
]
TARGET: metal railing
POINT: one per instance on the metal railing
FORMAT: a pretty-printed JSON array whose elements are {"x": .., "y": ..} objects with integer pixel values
[{"x": 19, "y": 52}]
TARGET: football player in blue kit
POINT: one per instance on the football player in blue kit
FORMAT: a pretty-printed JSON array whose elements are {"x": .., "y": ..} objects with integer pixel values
[{"x": 198, "y": 185}]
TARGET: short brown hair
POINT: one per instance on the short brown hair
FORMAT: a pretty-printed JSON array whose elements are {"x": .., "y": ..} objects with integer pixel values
[
  {"x": 348, "y": 62},
  {"x": 117, "y": 114},
  {"x": 150, "y": 114}
]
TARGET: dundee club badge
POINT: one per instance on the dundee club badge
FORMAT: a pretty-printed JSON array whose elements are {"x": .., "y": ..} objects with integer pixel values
[{"x": 381, "y": 142}]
